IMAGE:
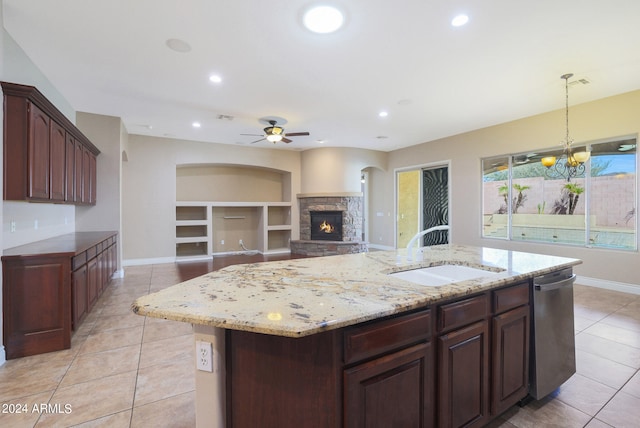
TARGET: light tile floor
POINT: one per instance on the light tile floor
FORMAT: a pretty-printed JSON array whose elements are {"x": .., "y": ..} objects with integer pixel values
[{"x": 124, "y": 370}]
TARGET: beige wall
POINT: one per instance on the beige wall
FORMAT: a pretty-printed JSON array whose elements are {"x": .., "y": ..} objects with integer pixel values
[
  {"x": 52, "y": 219},
  {"x": 334, "y": 169},
  {"x": 603, "y": 119},
  {"x": 231, "y": 184},
  {"x": 149, "y": 189}
]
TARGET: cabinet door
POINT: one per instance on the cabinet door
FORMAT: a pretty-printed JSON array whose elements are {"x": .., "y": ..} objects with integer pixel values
[
  {"x": 69, "y": 169},
  {"x": 92, "y": 178},
  {"x": 38, "y": 154},
  {"x": 391, "y": 391},
  {"x": 79, "y": 296},
  {"x": 92, "y": 283},
  {"x": 77, "y": 172},
  {"x": 36, "y": 305},
  {"x": 57, "y": 158},
  {"x": 463, "y": 370},
  {"x": 86, "y": 176},
  {"x": 510, "y": 359}
]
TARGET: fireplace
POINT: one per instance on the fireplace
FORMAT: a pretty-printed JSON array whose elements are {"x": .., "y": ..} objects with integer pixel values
[
  {"x": 326, "y": 225},
  {"x": 346, "y": 236}
]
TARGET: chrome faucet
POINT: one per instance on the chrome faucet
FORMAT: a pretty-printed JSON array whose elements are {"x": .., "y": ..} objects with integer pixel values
[{"x": 420, "y": 234}]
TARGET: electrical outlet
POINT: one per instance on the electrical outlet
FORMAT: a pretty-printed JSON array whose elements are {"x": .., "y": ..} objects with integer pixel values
[
  {"x": 222, "y": 242},
  {"x": 35, "y": 224},
  {"x": 13, "y": 225},
  {"x": 204, "y": 356},
  {"x": 241, "y": 243}
]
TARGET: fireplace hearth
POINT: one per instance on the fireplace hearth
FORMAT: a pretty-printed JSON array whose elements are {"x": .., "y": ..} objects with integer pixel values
[{"x": 326, "y": 225}]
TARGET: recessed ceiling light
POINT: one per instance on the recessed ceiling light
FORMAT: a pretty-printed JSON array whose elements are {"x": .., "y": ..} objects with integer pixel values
[
  {"x": 460, "y": 20},
  {"x": 178, "y": 45},
  {"x": 196, "y": 124},
  {"x": 323, "y": 19},
  {"x": 215, "y": 78},
  {"x": 383, "y": 114}
]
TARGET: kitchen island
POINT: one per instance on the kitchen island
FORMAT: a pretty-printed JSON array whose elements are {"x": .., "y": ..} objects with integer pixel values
[{"x": 315, "y": 342}]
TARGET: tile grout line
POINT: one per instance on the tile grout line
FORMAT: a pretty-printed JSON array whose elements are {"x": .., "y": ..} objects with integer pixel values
[{"x": 144, "y": 326}]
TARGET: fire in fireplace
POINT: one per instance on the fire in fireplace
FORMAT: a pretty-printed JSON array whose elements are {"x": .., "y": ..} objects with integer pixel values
[{"x": 326, "y": 225}]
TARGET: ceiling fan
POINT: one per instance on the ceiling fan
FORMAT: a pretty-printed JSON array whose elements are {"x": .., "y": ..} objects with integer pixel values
[{"x": 275, "y": 133}]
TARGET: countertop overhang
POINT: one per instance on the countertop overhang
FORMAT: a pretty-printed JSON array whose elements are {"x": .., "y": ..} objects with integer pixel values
[{"x": 300, "y": 297}]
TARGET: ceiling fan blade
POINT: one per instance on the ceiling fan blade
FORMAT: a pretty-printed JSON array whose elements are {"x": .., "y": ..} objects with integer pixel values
[
  {"x": 285, "y": 140},
  {"x": 296, "y": 134},
  {"x": 253, "y": 142}
]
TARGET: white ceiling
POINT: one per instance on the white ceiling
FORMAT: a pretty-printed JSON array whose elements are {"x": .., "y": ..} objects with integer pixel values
[{"x": 110, "y": 57}]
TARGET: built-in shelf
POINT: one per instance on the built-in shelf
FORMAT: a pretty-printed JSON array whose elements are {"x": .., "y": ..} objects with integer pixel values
[
  {"x": 207, "y": 228},
  {"x": 192, "y": 231}
]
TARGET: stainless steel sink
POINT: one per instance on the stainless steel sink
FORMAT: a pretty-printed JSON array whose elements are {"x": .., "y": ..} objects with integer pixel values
[{"x": 436, "y": 276}]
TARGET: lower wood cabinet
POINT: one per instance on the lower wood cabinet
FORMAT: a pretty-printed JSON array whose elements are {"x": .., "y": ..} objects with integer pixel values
[
  {"x": 459, "y": 363},
  {"x": 463, "y": 376},
  {"x": 36, "y": 305},
  {"x": 79, "y": 296},
  {"x": 49, "y": 287},
  {"x": 391, "y": 391},
  {"x": 510, "y": 353}
]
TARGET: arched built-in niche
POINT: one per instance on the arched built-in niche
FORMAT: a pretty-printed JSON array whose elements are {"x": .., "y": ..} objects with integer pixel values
[{"x": 226, "y": 209}]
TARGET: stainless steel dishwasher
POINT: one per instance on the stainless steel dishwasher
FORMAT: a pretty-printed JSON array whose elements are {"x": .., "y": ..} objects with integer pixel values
[{"x": 553, "y": 352}]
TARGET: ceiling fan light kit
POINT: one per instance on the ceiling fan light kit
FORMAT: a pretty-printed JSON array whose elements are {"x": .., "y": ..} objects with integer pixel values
[{"x": 275, "y": 133}]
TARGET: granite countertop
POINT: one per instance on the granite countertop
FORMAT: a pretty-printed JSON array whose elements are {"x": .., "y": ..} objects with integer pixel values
[{"x": 299, "y": 297}]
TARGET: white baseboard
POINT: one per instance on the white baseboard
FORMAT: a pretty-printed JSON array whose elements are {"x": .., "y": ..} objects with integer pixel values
[
  {"x": 156, "y": 261},
  {"x": 609, "y": 285},
  {"x": 118, "y": 274}
]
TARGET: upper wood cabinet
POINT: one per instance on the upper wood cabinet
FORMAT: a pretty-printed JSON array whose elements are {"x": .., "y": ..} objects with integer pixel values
[{"x": 41, "y": 151}]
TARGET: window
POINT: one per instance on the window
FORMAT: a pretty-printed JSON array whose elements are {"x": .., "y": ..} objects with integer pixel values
[{"x": 596, "y": 208}]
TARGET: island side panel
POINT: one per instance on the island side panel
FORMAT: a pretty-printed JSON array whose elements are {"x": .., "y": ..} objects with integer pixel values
[
  {"x": 210, "y": 386},
  {"x": 285, "y": 382}
]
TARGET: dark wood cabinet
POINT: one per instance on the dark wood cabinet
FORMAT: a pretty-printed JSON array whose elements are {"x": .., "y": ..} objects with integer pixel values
[
  {"x": 92, "y": 282},
  {"x": 37, "y": 151},
  {"x": 463, "y": 376},
  {"x": 78, "y": 174},
  {"x": 92, "y": 178},
  {"x": 275, "y": 381},
  {"x": 70, "y": 170},
  {"x": 456, "y": 363},
  {"x": 36, "y": 305},
  {"x": 391, "y": 391},
  {"x": 396, "y": 387},
  {"x": 79, "y": 296},
  {"x": 49, "y": 287},
  {"x": 57, "y": 162},
  {"x": 463, "y": 362},
  {"x": 510, "y": 348}
]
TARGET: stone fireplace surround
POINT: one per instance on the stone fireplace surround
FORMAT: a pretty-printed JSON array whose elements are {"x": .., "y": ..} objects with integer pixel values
[{"x": 352, "y": 207}]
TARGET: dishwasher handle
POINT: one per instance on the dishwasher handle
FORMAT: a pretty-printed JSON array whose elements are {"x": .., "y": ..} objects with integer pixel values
[{"x": 555, "y": 285}]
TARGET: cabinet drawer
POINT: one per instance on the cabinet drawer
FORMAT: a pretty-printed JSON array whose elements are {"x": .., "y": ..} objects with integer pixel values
[
  {"x": 463, "y": 312},
  {"x": 91, "y": 252},
  {"x": 366, "y": 341},
  {"x": 78, "y": 260},
  {"x": 511, "y": 297}
]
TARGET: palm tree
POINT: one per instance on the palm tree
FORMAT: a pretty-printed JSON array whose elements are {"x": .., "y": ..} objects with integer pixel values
[
  {"x": 574, "y": 194},
  {"x": 517, "y": 201}
]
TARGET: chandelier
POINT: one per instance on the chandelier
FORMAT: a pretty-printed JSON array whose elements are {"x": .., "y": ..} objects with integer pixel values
[{"x": 569, "y": 164}]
